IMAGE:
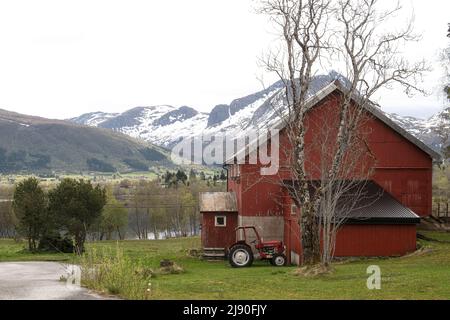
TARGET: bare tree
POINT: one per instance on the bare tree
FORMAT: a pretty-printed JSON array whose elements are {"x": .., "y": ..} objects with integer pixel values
[
  {"x": 303, "y": 30},
  {"x": 350, "y": 35},
  {"x": 445, "y": 62},
  {"x": 7, "y": 220},
  {"x": 139, "y": 212},
  {"x": 346, "y": 190}
]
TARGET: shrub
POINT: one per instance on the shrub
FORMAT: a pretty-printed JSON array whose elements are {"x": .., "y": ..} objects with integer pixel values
[{"x": 56, "y": 244}]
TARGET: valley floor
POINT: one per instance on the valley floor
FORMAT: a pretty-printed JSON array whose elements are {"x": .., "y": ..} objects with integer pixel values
[{"x": 423, "y": 275}]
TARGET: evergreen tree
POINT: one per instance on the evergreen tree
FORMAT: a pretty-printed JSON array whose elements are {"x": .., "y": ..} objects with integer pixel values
[
  {"x": 181, "y": 177},
  {"x": 30, "y": 207},
  {"x": 77, "y": 205},
  {"x": 192, "y": 175}
]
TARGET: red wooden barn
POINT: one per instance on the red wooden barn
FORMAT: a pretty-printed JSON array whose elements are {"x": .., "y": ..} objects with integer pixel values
[{"x": 387, "y": 227}]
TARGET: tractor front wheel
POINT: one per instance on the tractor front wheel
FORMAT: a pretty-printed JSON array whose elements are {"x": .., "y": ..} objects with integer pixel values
[
  {"x": 279, "y": 260},
  {"x": 241, "y": 256}
]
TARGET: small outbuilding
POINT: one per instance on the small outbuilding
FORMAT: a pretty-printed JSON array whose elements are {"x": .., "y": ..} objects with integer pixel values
[{"x": 219, "y": 221}]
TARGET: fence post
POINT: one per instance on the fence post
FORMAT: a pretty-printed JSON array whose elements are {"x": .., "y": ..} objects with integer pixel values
[
  {"x": 446, "y": 215},
  {"x": 433, "y": 209}
]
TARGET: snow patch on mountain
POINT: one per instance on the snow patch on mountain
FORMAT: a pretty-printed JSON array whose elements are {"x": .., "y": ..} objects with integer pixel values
[
  {"x": 94, "y": 118},
  {"x": 434, "y": 131},
  {"x": 165, "y": 125}
]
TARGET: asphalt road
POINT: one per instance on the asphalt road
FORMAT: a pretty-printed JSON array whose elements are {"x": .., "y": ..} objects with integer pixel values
[{"x": 39, "y": 281}]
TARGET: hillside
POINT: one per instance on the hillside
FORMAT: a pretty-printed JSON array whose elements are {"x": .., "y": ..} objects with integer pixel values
[
  {"x": 166, "y": 125},
  {"x": 34, "y": 144}
]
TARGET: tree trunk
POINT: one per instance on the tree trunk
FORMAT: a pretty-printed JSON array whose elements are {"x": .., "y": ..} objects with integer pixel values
[
  {"x": 119, "y": 234},
  {"x": 310, "y": 241},
  {"x": 79, "y": 243}
]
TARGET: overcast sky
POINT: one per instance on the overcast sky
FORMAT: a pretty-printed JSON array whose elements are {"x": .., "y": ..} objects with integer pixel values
[{"x": 61, "y": 58}]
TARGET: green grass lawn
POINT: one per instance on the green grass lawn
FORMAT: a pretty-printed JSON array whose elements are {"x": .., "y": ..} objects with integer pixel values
[
  {"x": 424, "y": 275},
  {"x": 13, "y": 251}
]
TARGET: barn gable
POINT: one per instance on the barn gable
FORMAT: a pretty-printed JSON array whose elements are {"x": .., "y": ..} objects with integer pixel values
[{"x": 372, "y": 109}]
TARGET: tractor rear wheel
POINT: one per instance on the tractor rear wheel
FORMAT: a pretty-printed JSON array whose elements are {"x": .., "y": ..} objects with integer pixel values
[
  {"x": 241, "y": 256},
  {"x": 279, "y": 260}
]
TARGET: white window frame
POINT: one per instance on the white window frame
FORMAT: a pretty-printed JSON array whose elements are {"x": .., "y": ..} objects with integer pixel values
[
  {"x": 235, "y": 171},
  {"x": 294, "y": 209},
  {"x": 224, "y": 225}
]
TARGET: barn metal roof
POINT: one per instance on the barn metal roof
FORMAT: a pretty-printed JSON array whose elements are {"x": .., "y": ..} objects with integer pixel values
[
  {"x": 378, "y": 206},
  {"x": 374, "y": 206},
  {"x": 373, "y": 109},
  {"x": 218, "y": 202}
]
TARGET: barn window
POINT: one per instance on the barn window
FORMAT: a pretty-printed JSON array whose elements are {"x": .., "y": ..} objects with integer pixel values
[
  {"x": 294, "y": 210},
  {"x": 221, "y": 221},
  {"x": 235, "y": 171}
]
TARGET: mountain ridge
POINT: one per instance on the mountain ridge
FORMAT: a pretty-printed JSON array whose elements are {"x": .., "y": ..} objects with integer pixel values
[
  {"x": 36, "y": 144},
  {"x": 250, "y": 111}
]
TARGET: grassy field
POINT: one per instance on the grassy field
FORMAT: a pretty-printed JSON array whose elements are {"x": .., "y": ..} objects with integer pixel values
[
  {"x": 423, "y": 275},
  {"x": 13, "y": 251}
]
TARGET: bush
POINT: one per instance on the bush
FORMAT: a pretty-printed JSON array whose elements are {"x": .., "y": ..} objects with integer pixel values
[{"x": 56, "y": 244}]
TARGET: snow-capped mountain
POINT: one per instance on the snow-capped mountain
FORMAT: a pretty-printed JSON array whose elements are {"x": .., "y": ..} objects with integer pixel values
[
  {"x": 166, "y": 125},
  {"x": 93, "y": 119},
  {"x": 434, "y": 131}
]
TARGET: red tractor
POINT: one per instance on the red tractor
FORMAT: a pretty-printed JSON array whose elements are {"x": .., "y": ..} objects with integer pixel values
[{"x": 241, "y": 254}]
